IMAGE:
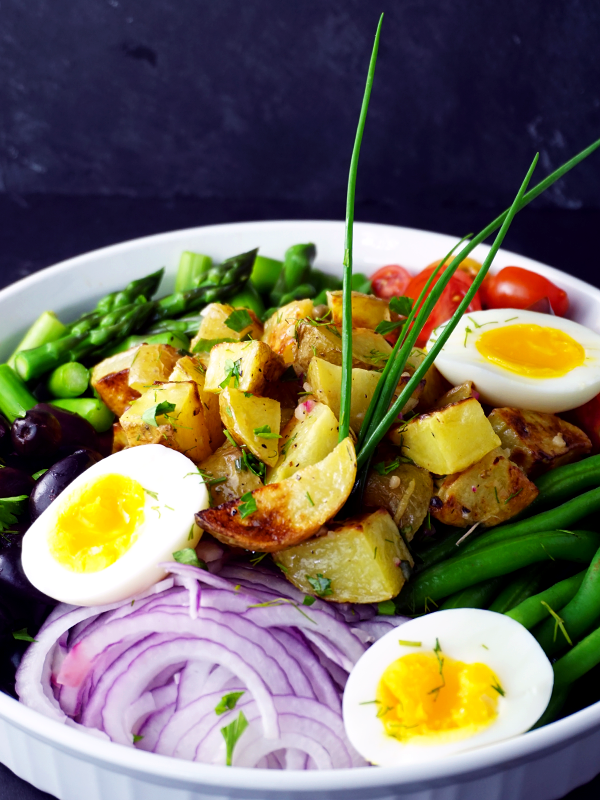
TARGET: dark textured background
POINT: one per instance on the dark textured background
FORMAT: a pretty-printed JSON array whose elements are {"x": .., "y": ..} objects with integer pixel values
[{"x": 120, "y": 118}]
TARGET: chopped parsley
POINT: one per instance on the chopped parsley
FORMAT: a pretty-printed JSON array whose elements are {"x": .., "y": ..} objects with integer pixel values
[
  {"x": 265, "y": 433},
  {"x": 231, "y": 733},
  {"x": 206, "y": 345},
  {"x": 228, "y": 702},
  {"x": 247, "y": 506},
  {"x": 386, "y": 608},
  {"x": 239, "y": 320},
  {"x": 249, "y": 462},
  {"x": 39, "y": 474},
  {"x": 10, "y": 509},
  {"x": 233, "y": 371},
  {"x": 137, "y": 738},
  {"x": 321, "y": 585},
  {"x": 159, "y": 410},
  {"x": 23, "y": 636},
  {"x": 188, "y": 556},
  {"x": 308, "y": 600}
]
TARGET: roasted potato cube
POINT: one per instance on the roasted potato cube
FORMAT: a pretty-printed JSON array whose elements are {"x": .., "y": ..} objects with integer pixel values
[
  {"x": 248, "y": 365},
  {"x": 538, "y": 442},
  {"x": 280, "y": 329},
  {"x": 190, "y": 368},
  {"x": 226, "y": 462},
  {"x": 369, "y": 349},
  {"x": 284, "y": 514},
  {"x": 489, "y": 491},
  {"x": 456, "y": 394},
  {"x": 435, "y": 383},
  {"x": 305, "y": 442},
  {"x": 181, "y": 427},
  {"x": 213, "y": 328},
  {"x": 325, "y": 381},
  {"x": 451, "y": 439},
  {"x": 110, "y": 379},
  {"x": 119, "y": 438},
  {"x": 253, "y": 421},
  {"x": 367, "y": 310},
  {"x": 152, "y": 363},
  {"x": 361, "y": 560},
  {"x": 404, "y": 491}
]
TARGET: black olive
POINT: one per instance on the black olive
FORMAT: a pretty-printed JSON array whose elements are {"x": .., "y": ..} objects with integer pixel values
[
  {"x": 58, "y": 477},
  {"x": 37, "y": 435}
]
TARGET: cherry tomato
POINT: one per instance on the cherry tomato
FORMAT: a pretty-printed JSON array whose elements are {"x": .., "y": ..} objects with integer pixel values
[
  {"x": 457, "y": 287},
  {"x": 468, "y": 265},
  {"x": 390, "y": 281},
  {"x": 515, "y": 287},
  {"x": 587, "y": 417}
]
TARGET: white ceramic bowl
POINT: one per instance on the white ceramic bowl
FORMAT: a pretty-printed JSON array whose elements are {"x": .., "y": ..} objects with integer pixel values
[{"x": 540, "y": 765}]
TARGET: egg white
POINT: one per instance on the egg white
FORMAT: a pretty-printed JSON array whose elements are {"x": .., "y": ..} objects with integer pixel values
[
  {"x": 460, "y": 361},
  {"x": 465, "y": 634},
  {"x": 168, "y": 518}
]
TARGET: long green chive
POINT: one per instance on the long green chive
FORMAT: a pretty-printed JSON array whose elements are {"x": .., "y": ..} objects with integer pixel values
[
  {"x": 387, "y": 420},
  {"x": 347, "y": 285}
]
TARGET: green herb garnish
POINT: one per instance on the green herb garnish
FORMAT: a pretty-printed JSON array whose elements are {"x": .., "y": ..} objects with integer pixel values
[
  {"x": 10, "y": 509},
  {"x": 137, "y": 738},
  {"x": 247, "y": 506},
  {"x": 387, "y": 608},
  {"x": 231, "y": 734},
  {"x": 407, "y": 643},
  {"x": 233, "y": 370},
  {"x": 308, "y": 600},
  {"x": 249, "y": 462},
  {"x": 499, "y": 689},
  {"x": 321, "y": 585},
  {"x": 188, "y": 556},
  {"x": 558, "y": 623},
  {"x": 159, "y": 410},
  {"x": 310, "y": 500},
  {"x": 265, "y": 433},
  {"x": 239, "y": 320},
  {"x": 23, "y": 636},
  {"x": 228, "y": 702}
]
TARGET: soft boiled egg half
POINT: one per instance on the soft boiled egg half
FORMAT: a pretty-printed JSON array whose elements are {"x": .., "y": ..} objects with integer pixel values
[
  {"x": 104, "y": 536},
  {"x": 522, "y": 358},
  {"x": 443, "y": 683}
]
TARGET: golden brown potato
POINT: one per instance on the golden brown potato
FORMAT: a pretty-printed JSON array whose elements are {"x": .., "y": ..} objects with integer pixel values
[
  {"x": 152, "y": 363},
  {"x": 451, "y": 439},
  {"x": 284, "y": 514},
  {"x": 305, "y": 442},
  {"x": 252, "y": 421},
  {"x": 435, "y": 383},
  {"x": 227, "y": 462},
  {"x": 178, "y": 424},
  {"x": 190, "y": 368},
  {"x": 490, "y": 492},
  {"x": 325, "y": 381},
  {"x": 213, "y": 328},
  {"x": 280, "y": 329},
  {"x": 119, "y": 438},
  {"x": 367, "y": 310},
  {"x": 404, "y": 491},
  {"x": 362, "y": 560},
  {"x": 456, "y": 394},
  {"x": 538, "y": 442},
  {"x": 110, "y": 378},
  {"x": 369, "y": 349},
  {"x": 247, "y": 365}
]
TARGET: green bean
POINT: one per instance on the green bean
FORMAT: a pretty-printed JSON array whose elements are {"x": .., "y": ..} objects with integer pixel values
[
  {"x": 440, "y": 551},
  {"x": 525, "y": 583},
  {"x": 579, "y": 660},
  {"x": 578, "y": 616},
  {"x": 533, "y": 610},
  {"x": 555, "y": 519},
  {"x": 565, "y": 482},
  {"x": 46, "y": 328},
  {"x": 96, "y": 413},
  {"x": 69, "y": 380},
  {"x": 15, "y": 397},
  {"x": 477, "y": 596},
  {"x": 554, "y": 707},
  {"x": 500, "y": 558}
]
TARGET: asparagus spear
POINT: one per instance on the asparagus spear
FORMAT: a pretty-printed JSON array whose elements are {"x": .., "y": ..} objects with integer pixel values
[{"x": 94, "y": 333}]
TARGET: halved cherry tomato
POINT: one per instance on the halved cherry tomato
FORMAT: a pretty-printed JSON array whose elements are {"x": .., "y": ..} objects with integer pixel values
[
  {"x": 457, "y": 287},
  {"x": 515, "y": 287},
  {"x": 390, "y": 281},
  {"x": 468, "y": 265}
]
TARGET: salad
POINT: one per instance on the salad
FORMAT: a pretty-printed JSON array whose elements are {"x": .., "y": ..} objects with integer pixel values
[{"x": 181, "y": 490}]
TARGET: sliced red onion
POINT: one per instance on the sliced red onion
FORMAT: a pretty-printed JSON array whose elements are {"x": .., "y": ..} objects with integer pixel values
[{"x": 156, "y": 666}]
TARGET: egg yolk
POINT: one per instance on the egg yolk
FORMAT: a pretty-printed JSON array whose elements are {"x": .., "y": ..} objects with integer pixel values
[
  {"x": 99, "y": 524},
  {"x": 428, "y": 698},
  {"x": 531, "y": 350}
]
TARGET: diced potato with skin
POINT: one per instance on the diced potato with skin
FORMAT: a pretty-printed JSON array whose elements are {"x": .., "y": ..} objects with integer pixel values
[
  {"x": 405, "y": 492},
  {"x": 456, "y": 394},
  {"x": 364, "y": 558},
  {"x": 120, "y": 441},
  {"x": 183, "y": 429},
  {"x": 325, "y": 381},
  {"x": 367, "y": 310},
  {"x": 256, "y": 363},
  {"x": 190, "y": 368},
  {"x": 451, "y": 439},
  {"x": 280, "y": 329},
  {"x": 288, "y": 512},
  {"x": 213, "y": 327},
  {"x": 152, "y": 363},
  {"x": 490, "y": 491},
  {"x": 435, "y": 383},
  {"x": 110, "y": 379},
  {"x": 243, "y": 414},
  {"x": 226, "y": 462},
  {"x": 538, "y": 442},
  {"x": 369, "y": 349},
  {"x": 305, "y": 442}
]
